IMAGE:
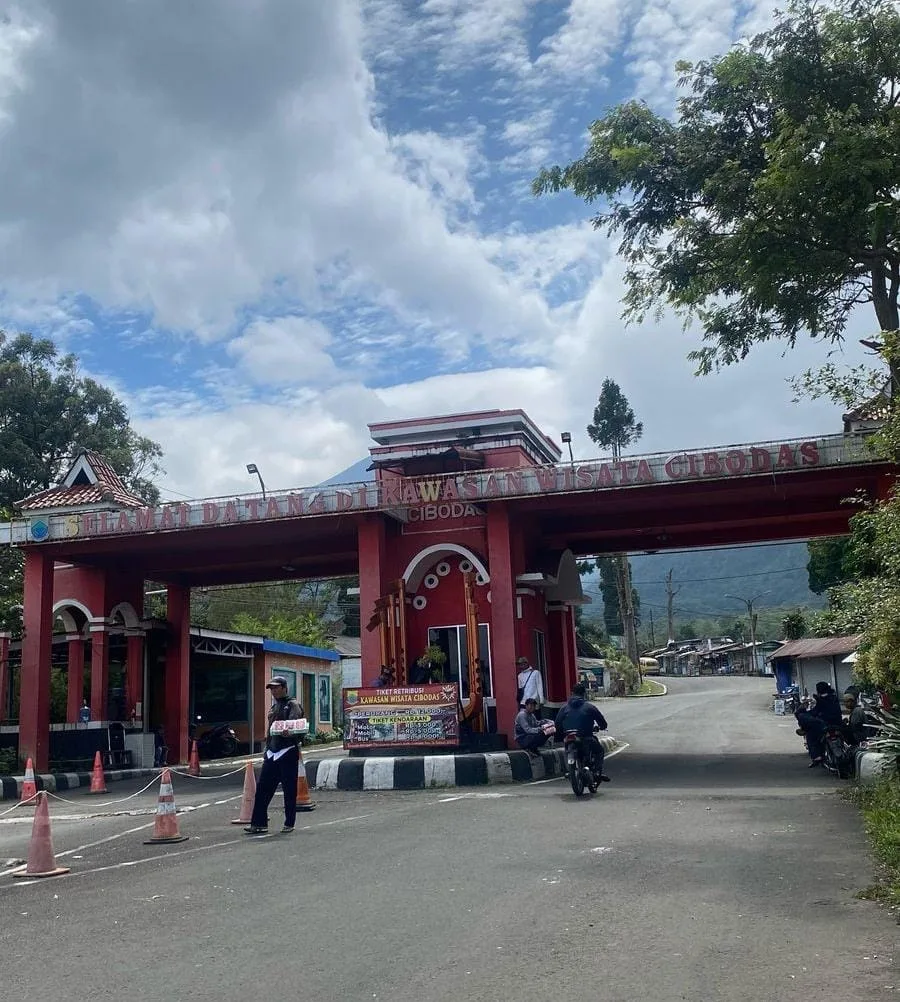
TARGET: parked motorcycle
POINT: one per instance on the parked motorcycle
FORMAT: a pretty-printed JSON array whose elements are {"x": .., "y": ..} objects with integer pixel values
[
  {"x": 837, "y": 755},
  {"x": 218, "y": 742},
  {"x": 581, "y": 771}
]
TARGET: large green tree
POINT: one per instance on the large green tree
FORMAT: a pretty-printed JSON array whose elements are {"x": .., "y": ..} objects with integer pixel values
[
  {"x": 768, "y": 207},
  {"x": 48, "y": 410}
]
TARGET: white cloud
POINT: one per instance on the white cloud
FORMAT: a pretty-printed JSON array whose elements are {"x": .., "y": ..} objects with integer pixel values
[
  {"x": 587, "y": 40},
  {"x": 289, "y": 350}
]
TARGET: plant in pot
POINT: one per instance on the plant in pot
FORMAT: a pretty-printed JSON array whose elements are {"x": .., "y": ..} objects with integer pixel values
[{"x": 432, "y": 663}]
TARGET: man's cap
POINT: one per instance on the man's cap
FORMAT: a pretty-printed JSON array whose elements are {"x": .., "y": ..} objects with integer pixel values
[
  {"x": 530, "y": 699},
  {"x": 521, "y": 661},
  {"x": 276, "y": 680}
]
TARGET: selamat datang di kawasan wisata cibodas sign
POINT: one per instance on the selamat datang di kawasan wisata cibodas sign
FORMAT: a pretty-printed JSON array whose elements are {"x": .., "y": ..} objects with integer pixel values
[{"x": 455, "y": 495}]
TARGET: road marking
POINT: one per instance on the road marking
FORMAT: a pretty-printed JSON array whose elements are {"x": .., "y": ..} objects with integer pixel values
[{"x": 177, "y": 852}]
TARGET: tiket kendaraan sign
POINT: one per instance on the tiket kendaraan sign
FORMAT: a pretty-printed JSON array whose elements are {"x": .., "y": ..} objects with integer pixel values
[{"x": 455, "y": 495}]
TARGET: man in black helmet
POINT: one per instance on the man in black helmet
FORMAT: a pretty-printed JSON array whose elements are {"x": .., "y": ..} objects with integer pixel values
[{"x": 580, "y": 715}]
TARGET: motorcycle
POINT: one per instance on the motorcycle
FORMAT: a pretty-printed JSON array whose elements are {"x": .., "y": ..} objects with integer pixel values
[
  {"x": 581, "y": 771},
  {"x": 218, "y": 742},
  {"x": 837, "y": 754}
]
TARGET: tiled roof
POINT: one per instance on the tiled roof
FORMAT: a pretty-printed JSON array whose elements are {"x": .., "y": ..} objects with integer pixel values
[
  {"x": 108, "y": 489},
  {"x": 817, "y": 647}
]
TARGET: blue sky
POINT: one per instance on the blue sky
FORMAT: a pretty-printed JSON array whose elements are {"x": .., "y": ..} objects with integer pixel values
[{"x": 269, "y": 222}]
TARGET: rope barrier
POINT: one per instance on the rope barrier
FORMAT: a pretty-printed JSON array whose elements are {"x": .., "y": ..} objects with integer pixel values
[{"x": 120, "y": 800}]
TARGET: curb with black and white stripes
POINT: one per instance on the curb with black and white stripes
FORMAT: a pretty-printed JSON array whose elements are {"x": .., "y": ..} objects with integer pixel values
[
  {"x": 421, "y": 772},
  {"x": 58, "y": 782}
]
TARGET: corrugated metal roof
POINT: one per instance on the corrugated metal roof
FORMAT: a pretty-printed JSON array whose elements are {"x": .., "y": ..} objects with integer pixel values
[
  {"x": 817, "y": 647},
  {"x": 348, "y": 647}
]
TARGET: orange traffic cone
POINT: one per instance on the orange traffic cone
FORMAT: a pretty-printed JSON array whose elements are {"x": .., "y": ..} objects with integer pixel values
[
  {"x": 194, "y": 763},
  {"x": 303, "y": 801},
  {"x": 248, "y": 797},
  {"x": 98, "y": 778},
  {"x": 165, "y": 829},
  {"x": 29, "y": 788},
  {"x": 41, "y": 861}
]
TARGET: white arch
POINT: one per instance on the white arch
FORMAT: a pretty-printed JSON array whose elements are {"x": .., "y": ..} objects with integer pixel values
[
  {"x": 129, "y": 616},
  {"x": 61, "y": 611},
  {"x": 419, "y": 565}
]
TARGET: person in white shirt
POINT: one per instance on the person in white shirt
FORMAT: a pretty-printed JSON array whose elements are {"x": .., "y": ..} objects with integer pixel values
[{"x": 530, "y": 683}]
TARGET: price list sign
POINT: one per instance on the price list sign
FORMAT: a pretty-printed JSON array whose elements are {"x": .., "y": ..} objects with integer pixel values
[{"x": 411, "y": 715}]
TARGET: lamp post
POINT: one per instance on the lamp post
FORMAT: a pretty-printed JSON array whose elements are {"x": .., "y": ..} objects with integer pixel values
[
  {"x": 566, "y": 438},
  {"x": 251, "y": 469},
  {"x": 752, "y": 616}
]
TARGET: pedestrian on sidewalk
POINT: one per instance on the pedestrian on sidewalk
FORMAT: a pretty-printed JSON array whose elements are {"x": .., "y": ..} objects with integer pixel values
[
  {"x": 280, "y": 762},
  {"x": 530, "y": 683}
]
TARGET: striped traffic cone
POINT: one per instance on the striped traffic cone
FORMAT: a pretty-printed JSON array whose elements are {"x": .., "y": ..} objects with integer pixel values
[
  {"x": 248, "y": 797},
  {"x": 303, "y": 801},
  {"x": 41, "y": 861},
  {"x": 29, "y": 787},
  {"x": 194, "y": 762},
  {"x": 165, "y": 828},
  {"x": 98, "y": 778}
]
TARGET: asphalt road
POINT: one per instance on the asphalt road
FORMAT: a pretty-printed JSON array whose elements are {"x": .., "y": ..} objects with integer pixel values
[{"x": 715, "y": 866}]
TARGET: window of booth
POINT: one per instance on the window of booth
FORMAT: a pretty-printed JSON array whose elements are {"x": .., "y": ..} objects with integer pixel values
[
  {"x": 540, "y": 653},
  {"x": 452, "y": 640},
  {"x": 220, "y": 694}
]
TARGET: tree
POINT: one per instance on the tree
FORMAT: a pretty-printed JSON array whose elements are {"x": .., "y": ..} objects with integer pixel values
[
  {"x": 305, "y": 628},
  {"x": 609, "y": 592},
  {"x": 828, "y": 563},
  {"x": 769, "y": 208},
  {"x": 614, "y": 425},
  {"x": 793, "y": 626},
  {"x": 47, "y": 411}
]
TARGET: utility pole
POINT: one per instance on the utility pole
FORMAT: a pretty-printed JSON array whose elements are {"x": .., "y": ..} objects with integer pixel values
[
  {"x": 670, "y": 606},
  {"x": 753, "y": 617},
  {"x": 652, "y": 635}
]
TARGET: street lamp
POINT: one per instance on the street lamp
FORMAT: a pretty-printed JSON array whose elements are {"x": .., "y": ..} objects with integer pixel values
[
  {"x": 566, "y": 437},
  {"x": 752, "y": 616},
  {"x": 252, "y": 468}
]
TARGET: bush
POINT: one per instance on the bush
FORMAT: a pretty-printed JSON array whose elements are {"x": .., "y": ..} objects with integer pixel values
[
  {"x": 624, "y": 677},
  {"x": 9, "y": 762}
]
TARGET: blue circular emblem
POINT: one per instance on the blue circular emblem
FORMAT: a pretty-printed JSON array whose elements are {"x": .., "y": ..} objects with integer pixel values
[{"x": 39, "y": 529}]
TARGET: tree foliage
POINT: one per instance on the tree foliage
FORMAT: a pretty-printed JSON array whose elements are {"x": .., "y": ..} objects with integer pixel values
[
  {"x": 47, "y": 411},
  {"x": 303, "y": 628},
  {"x": 614, "y": 425},
  {"x": 769, "y": 208},
  {"x": 793, "y": 626},
  {"x": 612, "y": 614}
]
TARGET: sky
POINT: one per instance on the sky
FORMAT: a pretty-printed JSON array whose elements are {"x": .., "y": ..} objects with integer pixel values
[{"x": 266, "y": 223}]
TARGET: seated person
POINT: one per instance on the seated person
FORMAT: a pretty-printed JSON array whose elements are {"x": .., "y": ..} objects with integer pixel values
[
  {"x": 530, "y": 733},
  {"x": 825, "y": 712},
  {"x": 385, "y": 678},
  {"x": 855, "y": 729}
]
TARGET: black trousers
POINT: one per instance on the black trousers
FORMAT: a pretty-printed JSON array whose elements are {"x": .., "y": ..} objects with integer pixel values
[
  {"x": 531, "y": 741},
  {"x": 275, "y": 771}
]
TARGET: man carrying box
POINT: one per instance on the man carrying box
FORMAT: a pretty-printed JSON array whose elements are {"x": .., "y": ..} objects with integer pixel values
[{"x": 280, "y": 761}]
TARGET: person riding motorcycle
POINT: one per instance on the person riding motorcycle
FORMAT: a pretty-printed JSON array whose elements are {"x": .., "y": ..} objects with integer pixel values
[{"x": 579, "y": 715}]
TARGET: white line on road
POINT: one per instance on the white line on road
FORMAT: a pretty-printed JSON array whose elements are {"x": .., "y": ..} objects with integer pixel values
[{"x": 553, "y": 779}]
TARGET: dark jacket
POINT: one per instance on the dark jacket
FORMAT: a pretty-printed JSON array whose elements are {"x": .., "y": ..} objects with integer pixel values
[
  {"x": 828, "y": 709},
  {"x": 579, "y": 715},
  {"x": 284, "y": 709}
]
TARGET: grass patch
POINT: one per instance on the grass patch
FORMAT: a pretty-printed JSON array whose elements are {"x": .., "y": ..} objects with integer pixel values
[
  {"x": 880, "y": 808},
  {"x": 650, "y": 688}
]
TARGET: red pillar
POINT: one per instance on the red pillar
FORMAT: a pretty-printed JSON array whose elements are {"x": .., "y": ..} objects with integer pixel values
[
  {"x": 558, "y": 686},
  {"x": 503, "y": 616},
  {"x": 4, "y": 674},
  {"x": 99, "y": 671},
  {"x": 76, "y": 676},
  {"x": 178, "y": 671},
  {"x": 134, "y": 674},
  {"x": 34, "y": 712},
  {"x": 371, "y": 542},
  {"x": 570, "y": 649}
]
